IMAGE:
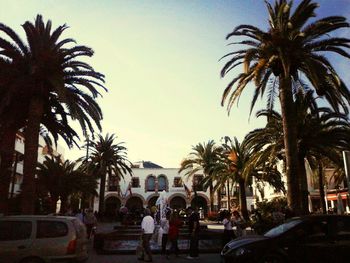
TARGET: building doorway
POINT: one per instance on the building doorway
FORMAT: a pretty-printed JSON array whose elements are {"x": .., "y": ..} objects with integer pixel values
[{"x": 112, "y": 206}]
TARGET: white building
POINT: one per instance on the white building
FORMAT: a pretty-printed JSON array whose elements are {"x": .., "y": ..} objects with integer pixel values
[
  {"x": 148, "y": 180},
  {"x": 17, "y": 168}
]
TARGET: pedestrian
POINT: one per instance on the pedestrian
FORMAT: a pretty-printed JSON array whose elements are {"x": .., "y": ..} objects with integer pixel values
[
  {"x": 240, "y": 224},
  {"x": 228, "y": 230},
  {"x": 147, "y": 226},
  {"x": 80, "y": 215},
  {"x": 193, "y": 227},
  {"x": 174, "y": 230},
  {"x": 164, "y": 224},
  {"x": 90, "y": 222}
]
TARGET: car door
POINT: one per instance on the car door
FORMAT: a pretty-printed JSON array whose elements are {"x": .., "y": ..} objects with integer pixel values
[
  {"x": 16, "y": 238},
  {"x": 310, "y": 242},
  {"x": 340, "y": 238}
]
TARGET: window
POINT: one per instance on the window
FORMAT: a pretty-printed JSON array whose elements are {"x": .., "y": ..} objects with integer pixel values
[
  {"x": 197, "y": 182},
  {"x": 162, "y": 183},
  {"x": 223, "y": 204},
  {"x": 177, "y": 182},
  {"x": 113, "y": 183},
  {"x": 151, "y": 183},
  {"x": 15, "y": 230},
  {"x": 223, "y": 190},
  {"x": 135, "y": 182},
  {"x": 49, "y": 229}
]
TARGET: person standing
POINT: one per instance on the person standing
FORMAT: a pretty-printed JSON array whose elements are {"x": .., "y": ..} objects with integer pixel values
[
  {"x": 240, "y": 224},
  {"x": 228, "y": 230},
  {"x": 164, "y": 224},
  {"x": 193, "y": 226},
  {"x": 147, "y": 226},
  {"x": 174, "y": 230},
  {"x": 80, "y": 215},
  {"x": 90, "y": 222}
]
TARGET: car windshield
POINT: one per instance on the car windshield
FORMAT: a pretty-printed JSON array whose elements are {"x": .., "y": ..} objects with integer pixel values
[{"x": 278, "y": 230}]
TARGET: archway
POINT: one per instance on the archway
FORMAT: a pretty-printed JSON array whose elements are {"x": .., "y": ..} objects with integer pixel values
[
  {"x": 178, "y": 203},
  {"x": 152, "y": 201},
  {"x": 134, "y": 204},
  {"x": 112, "y": 204},
  {"x": 200, "y": 202}
]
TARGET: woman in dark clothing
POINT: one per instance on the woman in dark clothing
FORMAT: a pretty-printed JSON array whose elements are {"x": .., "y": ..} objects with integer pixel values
[{"x": 173, "y": 234}]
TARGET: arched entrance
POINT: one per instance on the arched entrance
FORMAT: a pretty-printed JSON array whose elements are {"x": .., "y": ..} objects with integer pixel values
[
  {"x": 134, "y": 204},
  {"x": 200, "y": 202},
  {"x": 152, "y": 201},
  {"x": 112, "y": 204},
  {"x": 178, "y": 203}
]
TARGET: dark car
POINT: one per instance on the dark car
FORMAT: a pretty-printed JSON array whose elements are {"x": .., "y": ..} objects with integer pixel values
[{"x": 314, "y": 238}]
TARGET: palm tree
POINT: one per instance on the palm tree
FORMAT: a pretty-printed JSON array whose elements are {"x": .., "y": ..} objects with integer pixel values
[
  {"x": 106, "y": 158},
  {"x": 321, "y": 134},
  {"x": 62, "y": 179},
  {"x": 201, "y": 159},
  {"x": 290, "y": 48},
  {"x": 52, "y": 80}
]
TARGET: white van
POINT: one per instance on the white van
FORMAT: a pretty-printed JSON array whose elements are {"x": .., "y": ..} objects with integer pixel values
[{"x": 39, "y": 239}]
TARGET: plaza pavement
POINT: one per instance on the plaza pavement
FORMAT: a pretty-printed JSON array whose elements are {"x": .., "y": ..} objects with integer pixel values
[{"x": 95, "y": 258}]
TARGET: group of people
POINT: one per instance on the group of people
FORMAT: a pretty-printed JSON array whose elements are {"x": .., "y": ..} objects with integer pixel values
[
  {"x": 89, "y": 219},
  {"x": 231, "y": 221},
  {"x": 170, "y": 229}
]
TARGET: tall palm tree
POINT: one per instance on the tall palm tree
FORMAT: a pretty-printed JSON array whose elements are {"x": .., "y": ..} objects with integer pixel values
[
  {"x": 106, "y": 158},
  {"x": 201, "y": 159},
  {"x": 62, "y": 179},
  {"x": 290, "y": 48},
  {"x": 50, "y": 76},
  {"x": 321, "y": 133}
]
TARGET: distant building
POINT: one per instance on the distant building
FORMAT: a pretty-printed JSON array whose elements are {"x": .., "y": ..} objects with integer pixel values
[
  {"x": 17, "y": 168},
  {"x": 148, "y": 180}
]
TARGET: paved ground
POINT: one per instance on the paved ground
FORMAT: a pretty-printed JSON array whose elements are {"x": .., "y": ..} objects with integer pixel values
[
  {"x": 203, "y": 258},
  {"x": 95, "y": 258}
]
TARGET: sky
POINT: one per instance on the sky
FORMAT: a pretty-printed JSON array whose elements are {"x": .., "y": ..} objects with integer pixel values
[{"x": 161, "y": 64}]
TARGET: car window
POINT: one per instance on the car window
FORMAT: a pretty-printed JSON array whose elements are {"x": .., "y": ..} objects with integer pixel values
[
  {"x": 343, "y": 226},
  {"x": 276, "y": 231},
  {"x": 50, "y": 229},
  {"x": 15, "y": 230}
]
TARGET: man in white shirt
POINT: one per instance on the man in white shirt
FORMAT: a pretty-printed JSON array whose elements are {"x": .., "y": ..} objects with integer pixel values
[{"x": 147, "y": 226}]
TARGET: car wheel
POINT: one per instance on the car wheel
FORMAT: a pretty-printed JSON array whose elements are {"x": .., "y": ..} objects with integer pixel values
[{"x": 273, "y": 258}]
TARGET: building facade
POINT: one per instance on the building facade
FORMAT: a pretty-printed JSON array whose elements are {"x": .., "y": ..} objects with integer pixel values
[
  {"x": 148, "y": 181},
  {"x": 17, "y": 168}
]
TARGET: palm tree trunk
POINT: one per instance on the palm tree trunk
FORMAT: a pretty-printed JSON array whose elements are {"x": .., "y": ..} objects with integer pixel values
[
  {"x": 6, "y": 154},
  {"x": 290, "y": 142},
  {"x": 54, "y": 200},
  {"x": 31, "y": 155},
  {"x": 218, "y": 193},
  {"x": 243, "y": 198},
  {"x": 211, "y": 193},
  {"x": 64, "y": 200},
  {"x": 304, "y": 191},
  {"x": 101, "y": 201},
  {"x": 228, "y": 196},
  {"x": 321, "y": 187}
]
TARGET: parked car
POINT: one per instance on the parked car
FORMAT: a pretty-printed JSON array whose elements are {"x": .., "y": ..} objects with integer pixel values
[
  {"x": 39, "y": 239},
  {"x": 314, "y": 238}
]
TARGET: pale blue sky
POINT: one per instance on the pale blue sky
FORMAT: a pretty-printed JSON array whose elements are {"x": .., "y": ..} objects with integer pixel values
[{"x": 161, "y": 64}]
